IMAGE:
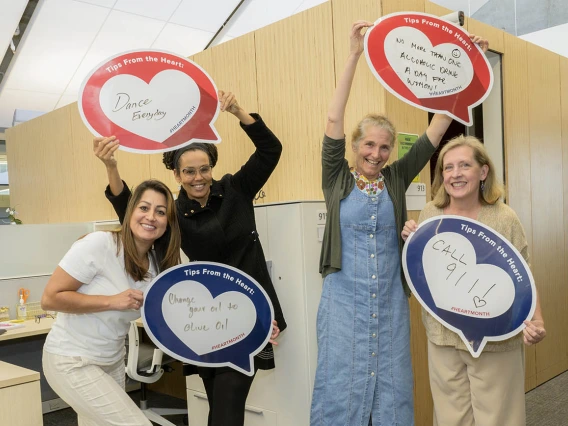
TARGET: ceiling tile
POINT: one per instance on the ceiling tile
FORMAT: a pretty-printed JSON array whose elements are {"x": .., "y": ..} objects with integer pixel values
[
  {"x": 308, "y": 4},
  {"x": 204, "y": 15},
  {"x": 260, "y": 13},
  {"x": 121, "y": 32},
  {"x": 11, "y": 100},
  {"x": 161, "y": 10},
  {"x": 552, "y": 39},
  {"x": 534, "y": 16},
  {"x": 104, "y": 3},
  {"x": 223, "y": 39},
  {"x": 557, "y": 13},
  {"x": 65, "y": 100},
  {"x": 53, "y": 46},
  {"x": 475, "y": 5},
  {"x": 182, "y": 40},
  {"x": 455, "y": 5},
  {"x": 499, "y": 14},
  {"x": 9, "y": 18}
]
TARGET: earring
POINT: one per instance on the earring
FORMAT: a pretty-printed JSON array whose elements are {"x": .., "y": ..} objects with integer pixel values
[{"x": 482, "y": 185}]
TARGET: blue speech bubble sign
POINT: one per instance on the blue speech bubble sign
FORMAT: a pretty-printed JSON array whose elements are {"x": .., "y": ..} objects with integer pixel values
[
  {"x": 470, "y": 278},
  {"x": 208, "y": 314}
]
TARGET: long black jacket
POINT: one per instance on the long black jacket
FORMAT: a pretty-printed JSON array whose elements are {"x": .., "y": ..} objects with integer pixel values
[{"x": 224, "y": 230}]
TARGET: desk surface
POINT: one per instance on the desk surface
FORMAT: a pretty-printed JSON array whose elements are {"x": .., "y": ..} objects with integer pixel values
[
  {"x": 30, "y": 328},
  {"x": 11, "y": 375}
]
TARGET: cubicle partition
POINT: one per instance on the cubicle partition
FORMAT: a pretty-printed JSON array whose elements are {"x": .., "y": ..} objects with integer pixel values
[{"x": 28, "y": 256}]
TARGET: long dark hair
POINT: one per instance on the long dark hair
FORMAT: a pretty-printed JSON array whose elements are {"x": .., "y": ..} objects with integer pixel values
[{"x": 167, "y": 247}]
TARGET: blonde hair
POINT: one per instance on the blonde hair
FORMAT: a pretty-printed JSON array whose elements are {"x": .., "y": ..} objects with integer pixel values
[
  {"x": 373, "y": 120},
  {"x": 492, "y": 188}
]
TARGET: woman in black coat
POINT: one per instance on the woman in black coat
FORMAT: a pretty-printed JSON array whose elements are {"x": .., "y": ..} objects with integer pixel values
[{"x": 217, "y": 224}]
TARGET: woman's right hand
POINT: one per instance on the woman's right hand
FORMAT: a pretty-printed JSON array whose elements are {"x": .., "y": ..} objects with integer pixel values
[
  {"x": 104, "y": 149},
  {"x": 357, "y": 38},
  {"x": 409, "y": 227},
  {"x": 128, "y": 299}
]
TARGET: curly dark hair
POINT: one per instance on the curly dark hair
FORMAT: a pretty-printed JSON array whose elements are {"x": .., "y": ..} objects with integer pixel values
[{"x": 171, "y": 158}]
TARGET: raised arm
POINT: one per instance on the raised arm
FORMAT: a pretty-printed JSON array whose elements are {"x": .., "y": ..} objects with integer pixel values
[
  {"x": 229, "y": 103},
  {"x": 440, "y": 122},
  {"x": 255, "y": 172},
  {"x": 104, "y": 149},
  {"x": 335, "y": 127},
  {"x": 117, "y": 193}
]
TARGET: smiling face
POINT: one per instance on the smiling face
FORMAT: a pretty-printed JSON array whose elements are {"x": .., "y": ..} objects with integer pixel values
[
  {"x": 462, "y": 174},
  {"x": 193, "y": 176},
  {"x": 372, "y": 151},
  {"x": 149, "y": 218}
]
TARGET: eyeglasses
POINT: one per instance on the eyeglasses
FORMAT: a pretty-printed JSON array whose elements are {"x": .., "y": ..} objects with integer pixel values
[
  {"x": 39, "y": 317},
  {"x": 204, "y": 171}
]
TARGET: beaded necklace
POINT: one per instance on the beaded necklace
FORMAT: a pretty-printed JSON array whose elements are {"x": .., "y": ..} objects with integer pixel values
[{"x": 368, "y": 186}]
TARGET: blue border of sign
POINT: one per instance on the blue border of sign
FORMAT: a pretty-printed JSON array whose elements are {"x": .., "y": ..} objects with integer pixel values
[
  {"x": 239, "y": 355},
  {"x": 475, "y": 332}
]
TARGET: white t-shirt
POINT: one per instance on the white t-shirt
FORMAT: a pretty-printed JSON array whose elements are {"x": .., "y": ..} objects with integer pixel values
[{"x": 97, "y": 336}]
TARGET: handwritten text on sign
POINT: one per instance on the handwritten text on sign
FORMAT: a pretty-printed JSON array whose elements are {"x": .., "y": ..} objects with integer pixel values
[
  {"x": 428, "y": 63},
  {"x": 461, "y": 285},
  {"x": 426, "y": 70}
]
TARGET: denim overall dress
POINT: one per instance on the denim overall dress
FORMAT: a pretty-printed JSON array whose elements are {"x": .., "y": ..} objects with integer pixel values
[{"x": 364, "y": 372}]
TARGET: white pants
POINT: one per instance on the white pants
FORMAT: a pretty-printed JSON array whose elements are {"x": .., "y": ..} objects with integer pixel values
[{"x": 94, "y": 390}]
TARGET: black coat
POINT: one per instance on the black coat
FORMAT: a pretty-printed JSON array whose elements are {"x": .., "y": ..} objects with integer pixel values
[{"x": 224, "y": 230}]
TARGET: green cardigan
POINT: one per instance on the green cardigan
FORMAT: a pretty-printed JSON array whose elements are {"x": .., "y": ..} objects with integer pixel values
[{"x": 337, "y": 183}]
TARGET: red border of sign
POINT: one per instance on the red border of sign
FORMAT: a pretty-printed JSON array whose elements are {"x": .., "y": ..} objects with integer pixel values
[
  {"x": 454, "y": 104},
  {"x": 198, "y": 129}
]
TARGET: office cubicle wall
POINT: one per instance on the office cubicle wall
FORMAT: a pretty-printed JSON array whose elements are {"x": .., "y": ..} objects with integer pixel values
[{"x": 28, "y": 256}]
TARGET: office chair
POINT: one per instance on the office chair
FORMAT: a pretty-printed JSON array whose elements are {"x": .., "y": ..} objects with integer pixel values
[{"x": 144, "y": 364}]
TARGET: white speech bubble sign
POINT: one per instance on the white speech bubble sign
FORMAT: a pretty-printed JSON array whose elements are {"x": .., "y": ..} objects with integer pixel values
[
  {"x": 206, "y": 324},
  {"x": 149, "y": 109},
  {"x": 459, "y": 284},
  {"x": 427, "y": 71}
]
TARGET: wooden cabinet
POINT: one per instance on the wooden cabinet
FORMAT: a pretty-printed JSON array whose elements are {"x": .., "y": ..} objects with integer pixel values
[{"x": 20, "y": 396}]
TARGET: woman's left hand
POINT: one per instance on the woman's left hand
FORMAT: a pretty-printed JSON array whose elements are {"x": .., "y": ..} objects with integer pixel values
[
  {"x": 228, "y": 102},
  {"x": 534, "y": 332},
  {"x": 484, "y": 44},
  {"x": 275, "y": 333}
]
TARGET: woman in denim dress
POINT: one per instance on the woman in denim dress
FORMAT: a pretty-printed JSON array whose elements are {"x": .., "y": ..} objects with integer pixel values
[{"x": 364, "y": 372}]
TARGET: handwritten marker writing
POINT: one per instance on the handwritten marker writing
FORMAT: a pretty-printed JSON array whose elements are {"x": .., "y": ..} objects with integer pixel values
[{"x": 428, "y": 63}]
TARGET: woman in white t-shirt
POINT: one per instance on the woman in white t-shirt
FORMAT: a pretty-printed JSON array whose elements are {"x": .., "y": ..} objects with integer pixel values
[{"x": 97, "y": 290}]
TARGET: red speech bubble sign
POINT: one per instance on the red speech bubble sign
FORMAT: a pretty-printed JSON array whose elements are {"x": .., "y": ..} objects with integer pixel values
[
  {"x": 152, "y": 101},
  {"x": 430, "y": 63}
]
